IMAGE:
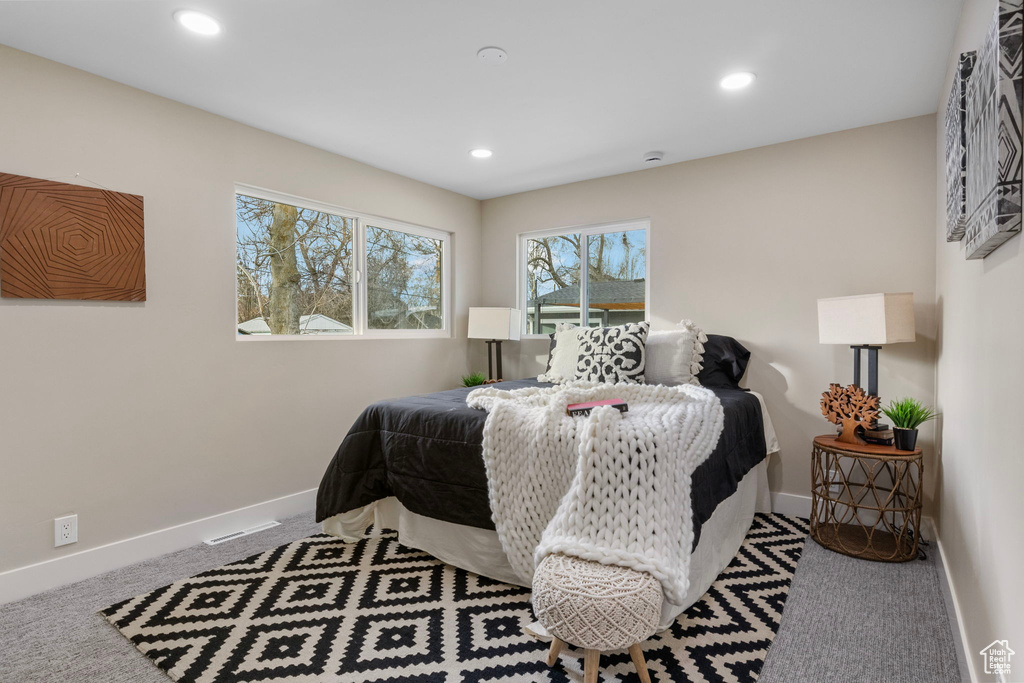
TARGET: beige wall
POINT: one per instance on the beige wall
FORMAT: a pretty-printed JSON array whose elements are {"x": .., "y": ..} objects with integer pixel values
[
  {"x": 745, "y": 243},
  {"x": 980, "y": 369},
  {"x": 141, "y": 416}
]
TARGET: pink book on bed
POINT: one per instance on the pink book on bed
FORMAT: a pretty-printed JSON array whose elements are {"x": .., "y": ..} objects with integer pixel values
[{"x": 585, "y": 408}]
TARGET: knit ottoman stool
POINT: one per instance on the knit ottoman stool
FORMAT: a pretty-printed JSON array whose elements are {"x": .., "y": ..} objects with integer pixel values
[{"x": 596, "y": 607}]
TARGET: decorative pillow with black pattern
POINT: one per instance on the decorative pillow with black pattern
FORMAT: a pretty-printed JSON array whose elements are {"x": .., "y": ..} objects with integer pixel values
[{"x": 613, "y": 354}]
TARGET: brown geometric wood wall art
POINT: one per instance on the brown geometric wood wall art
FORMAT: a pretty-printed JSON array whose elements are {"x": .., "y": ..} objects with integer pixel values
[{"x": 61, "y": 241}]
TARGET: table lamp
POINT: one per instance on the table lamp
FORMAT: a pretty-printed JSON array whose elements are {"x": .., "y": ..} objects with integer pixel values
[
  {"x": 865, "y": 322},
  {"x": 495, "y": 325}
]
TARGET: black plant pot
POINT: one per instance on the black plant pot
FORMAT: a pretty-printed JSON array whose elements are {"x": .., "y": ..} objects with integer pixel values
[{"x": 904, "y": 439}]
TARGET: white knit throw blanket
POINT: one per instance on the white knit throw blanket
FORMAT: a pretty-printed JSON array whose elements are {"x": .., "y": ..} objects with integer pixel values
[{"x": 610, "y": 487}]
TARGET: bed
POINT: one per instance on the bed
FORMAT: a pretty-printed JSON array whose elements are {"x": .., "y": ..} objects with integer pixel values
[{"x": 415, "y": 464}]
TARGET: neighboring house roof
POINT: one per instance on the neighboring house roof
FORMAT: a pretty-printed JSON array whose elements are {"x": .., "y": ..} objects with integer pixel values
[
  {"x": 404, "y": 310},
  {"x": 614, "y": 294},
  {"x": 308, "y": 324}
]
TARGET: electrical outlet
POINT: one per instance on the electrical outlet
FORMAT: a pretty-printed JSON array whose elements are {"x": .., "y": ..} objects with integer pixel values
[
  {"x": 65, "y": 530},
  {"x": 833, "y": 476}
]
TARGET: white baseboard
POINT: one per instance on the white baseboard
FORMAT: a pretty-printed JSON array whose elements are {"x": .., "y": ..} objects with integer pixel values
[
  {"x": 35, "y": 578},
  {"x": 800, "y": 506},
  {"x": 929, "y": 532},
  {"x": 791, "y": 504}
]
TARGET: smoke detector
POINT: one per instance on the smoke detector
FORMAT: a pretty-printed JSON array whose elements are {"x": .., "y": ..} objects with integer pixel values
[
  {"x": 493, "y": 56},
  {"x": 653, "y": 157}
]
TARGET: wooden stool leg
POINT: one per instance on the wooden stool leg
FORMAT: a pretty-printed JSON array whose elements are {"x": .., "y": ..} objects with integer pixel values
[
  {"x": 637, "y": 655},
  {"x": 591, "y": 664},
  {"x": 556, "y": 647}
]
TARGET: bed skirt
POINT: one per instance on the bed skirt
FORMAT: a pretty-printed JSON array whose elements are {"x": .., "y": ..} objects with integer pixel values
[{"x": 479, "y": 550}]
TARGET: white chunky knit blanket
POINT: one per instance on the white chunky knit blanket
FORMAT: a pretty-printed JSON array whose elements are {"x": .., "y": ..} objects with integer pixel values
[{"x": 610, "y": 487}]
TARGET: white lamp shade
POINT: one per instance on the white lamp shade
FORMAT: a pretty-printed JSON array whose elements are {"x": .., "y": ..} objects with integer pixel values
[
  {"x": 494, "y": 323},
  {"x": 867, "y": 319}
]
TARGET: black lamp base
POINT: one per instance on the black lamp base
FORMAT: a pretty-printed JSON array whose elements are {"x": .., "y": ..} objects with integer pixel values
[
  {"x": 490, "y": 366},
  {"x": 872, "y": 374},
  {"x": 872, "y": 367}
]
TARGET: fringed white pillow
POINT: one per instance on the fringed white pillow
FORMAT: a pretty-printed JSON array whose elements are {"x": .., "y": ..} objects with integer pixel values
[
  {"x": 675, "y": 356},
  {"x": 565, "y": 351}
]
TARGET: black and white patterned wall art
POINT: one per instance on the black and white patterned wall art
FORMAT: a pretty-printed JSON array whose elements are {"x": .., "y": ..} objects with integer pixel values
[
  {"x": 994, "y": 103},
  {"x": 956, "y": 150}
]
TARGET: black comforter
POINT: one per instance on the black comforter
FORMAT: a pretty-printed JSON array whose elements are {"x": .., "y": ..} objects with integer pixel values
[{"x": 426, "y": 451}]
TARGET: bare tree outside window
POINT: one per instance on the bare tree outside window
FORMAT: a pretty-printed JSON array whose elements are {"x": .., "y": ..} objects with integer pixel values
[
  {"x": 552, "y": 265},
  {"x": 403, "y": 285},
  {"x": 294, "y": 269},
  {"x": 616, "y": 265},
  {"x": 616, "y": 272}
]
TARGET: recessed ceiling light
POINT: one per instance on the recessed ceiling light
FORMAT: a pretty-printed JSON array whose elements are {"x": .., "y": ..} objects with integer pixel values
[
  {"x": 481, "y": 153},
  {"x": 654, "y": 157},
  {"x": 197, "y": 22},
  {"x": 740, "y": 79}
]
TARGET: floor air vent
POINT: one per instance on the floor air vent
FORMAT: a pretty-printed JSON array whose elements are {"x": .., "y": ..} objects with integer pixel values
[{"x": 243, "y": 532}]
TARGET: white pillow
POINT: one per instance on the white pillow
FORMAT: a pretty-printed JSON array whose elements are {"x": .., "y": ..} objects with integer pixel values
[
  {"x": 563, "y": 355},
  {"x": 674, "y": 357}
]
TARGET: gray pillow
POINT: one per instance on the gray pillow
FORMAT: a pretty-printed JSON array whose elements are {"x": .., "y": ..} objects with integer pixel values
[{"x": 674, "y": 356}]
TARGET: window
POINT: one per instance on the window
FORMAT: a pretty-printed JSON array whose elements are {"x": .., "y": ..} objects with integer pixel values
[
  {"x": 594, "y": 276},
  {"x": 403, "y": 280},
  {"x": 307, "y": 269}
]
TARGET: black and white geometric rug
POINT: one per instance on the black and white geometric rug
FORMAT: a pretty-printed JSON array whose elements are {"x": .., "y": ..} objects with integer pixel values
[{"x": 323, "y": 610}]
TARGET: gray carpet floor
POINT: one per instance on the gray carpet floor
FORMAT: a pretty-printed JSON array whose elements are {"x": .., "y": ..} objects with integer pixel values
[
  {"x": 849, "y": 620},
  {"x": 845, "y": 620}
]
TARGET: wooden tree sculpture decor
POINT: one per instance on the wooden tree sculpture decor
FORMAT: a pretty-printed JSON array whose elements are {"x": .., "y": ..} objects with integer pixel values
[{"x": 851, "y": 407}]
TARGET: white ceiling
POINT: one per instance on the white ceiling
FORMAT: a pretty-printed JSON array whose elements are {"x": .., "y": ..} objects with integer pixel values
[{"x": 589, "y": 85}]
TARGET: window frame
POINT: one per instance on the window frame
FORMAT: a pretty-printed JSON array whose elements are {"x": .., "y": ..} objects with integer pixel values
[
  {"x": 585, "y": 232},
  {"x": 360, "y": 312}
]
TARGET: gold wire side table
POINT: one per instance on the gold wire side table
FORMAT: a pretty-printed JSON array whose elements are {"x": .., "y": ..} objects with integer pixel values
[{"x": 866, "y": 499}]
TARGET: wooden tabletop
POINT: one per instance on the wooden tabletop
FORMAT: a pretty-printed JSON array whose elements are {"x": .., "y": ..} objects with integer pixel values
[{"x": 832, "y": 442}]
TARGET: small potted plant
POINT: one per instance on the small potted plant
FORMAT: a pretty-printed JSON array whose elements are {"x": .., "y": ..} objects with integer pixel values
[
  {"x": 907, "y": 414},
  {"x": 474, "y": 379}
]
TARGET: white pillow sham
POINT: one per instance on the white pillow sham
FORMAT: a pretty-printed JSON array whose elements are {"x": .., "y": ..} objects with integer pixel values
[
  {"x": 675, "y": 357},
  {"x": 564, "y": 354}
]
